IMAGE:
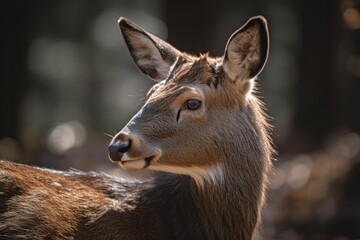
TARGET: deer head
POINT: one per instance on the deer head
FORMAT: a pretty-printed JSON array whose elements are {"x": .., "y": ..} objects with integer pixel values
[{"x": 200, "y": 109}]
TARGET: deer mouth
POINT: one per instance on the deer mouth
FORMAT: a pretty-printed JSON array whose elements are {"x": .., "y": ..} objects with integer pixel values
[{"x": 136, "y": 164}]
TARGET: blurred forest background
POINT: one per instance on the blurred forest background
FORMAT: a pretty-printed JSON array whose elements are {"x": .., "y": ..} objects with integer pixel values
[{"x": 67, "y": 80}]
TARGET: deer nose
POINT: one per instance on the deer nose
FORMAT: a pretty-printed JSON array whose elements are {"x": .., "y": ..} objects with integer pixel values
[{"x": 117, "y": 150}]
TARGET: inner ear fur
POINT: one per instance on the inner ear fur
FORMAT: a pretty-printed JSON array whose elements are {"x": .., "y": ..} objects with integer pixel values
[
  {"x": 152, "y": 55},
  {"x": 247, "y": 50}
]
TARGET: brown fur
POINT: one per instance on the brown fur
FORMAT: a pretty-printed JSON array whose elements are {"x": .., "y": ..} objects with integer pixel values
[{"x": 217, "y": 157}]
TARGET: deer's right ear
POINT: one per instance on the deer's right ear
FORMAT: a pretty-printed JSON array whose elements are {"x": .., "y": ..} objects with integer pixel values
[{"x": 153, "y": 56}]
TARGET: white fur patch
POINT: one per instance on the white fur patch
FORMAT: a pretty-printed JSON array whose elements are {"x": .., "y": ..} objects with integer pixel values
[{"x": 212, "y": 175}]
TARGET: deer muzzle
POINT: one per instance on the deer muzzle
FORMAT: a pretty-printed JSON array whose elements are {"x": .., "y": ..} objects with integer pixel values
[{"x": 131, "y": 152}]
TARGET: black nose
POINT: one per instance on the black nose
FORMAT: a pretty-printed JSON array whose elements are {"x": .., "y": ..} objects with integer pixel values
[{"x": 117, "y": 150}]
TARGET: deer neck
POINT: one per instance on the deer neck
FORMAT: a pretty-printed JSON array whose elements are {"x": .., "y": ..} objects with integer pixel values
[
  {"x": 231, "y": 207},
  {"x": 225, "y": 210}
]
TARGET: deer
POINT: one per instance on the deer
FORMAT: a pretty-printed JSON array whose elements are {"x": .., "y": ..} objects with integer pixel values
[{"x": 202, "y": 128}]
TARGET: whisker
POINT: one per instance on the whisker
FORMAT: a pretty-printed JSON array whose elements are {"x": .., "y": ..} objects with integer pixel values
[
  {"x": 109, "y": 135},
  {"x": 135, "y": 95}
]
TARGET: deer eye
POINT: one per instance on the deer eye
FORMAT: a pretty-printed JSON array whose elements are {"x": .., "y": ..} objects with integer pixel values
[{"x": 192, "y": 104}]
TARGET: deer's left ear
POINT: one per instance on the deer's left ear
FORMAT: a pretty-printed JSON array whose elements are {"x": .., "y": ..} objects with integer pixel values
[{"x": 247, "y": 50}]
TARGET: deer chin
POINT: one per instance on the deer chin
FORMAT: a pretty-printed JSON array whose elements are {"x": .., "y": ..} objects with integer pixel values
[
  {"x": 134, "y": 164},
  {"x": 137, "y": 163}
]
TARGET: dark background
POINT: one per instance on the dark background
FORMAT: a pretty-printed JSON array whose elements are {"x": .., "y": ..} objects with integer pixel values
[{"x": 67, "y": 81}]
